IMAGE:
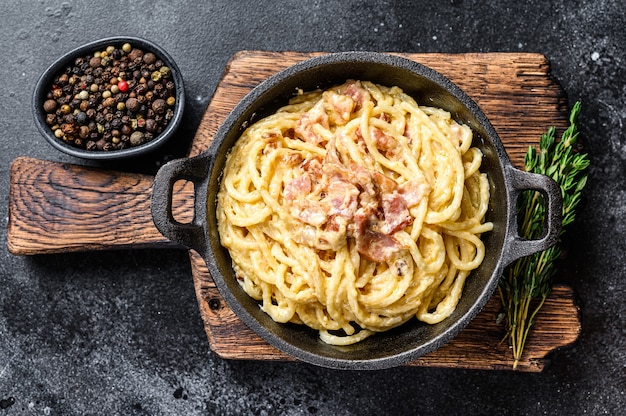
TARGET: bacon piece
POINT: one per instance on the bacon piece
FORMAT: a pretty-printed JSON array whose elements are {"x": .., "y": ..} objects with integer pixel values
[
  {"x": 291, "y": 159},
  {"x": 342, "y": 198},
  {"x": 297, "y": 188},
  {"x": 269, "y": 147},
  {"x": 332, "y": 167},
  {"x": 355, "y": 90},
  {"x": 413, "y": 191},
  {"x": 305, "y": 127},
  {"x": 377, "y": 246},
  {"x": 396, "y": 213},
  {"x": 309, "y": 212},
  {"x": 341, "y": 194},
  {"x": 313, "y": 167},
  {"x": 384, "y": 143},
  {"x": 290, "y": 133},
  {"x": 373, "y": 245},
  {"x": 384, "y": 182}
]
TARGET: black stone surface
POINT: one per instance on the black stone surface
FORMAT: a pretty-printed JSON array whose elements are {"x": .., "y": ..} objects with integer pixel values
[{"x": 120, "y": 333}]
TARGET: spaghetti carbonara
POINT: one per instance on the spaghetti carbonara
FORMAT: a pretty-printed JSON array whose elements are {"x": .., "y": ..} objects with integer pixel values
[{"x": 354, "y": 209}]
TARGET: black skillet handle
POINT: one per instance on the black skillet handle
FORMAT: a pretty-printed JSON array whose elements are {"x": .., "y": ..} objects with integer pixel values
[
  {"x": 190, "y": 234},
  {"x": 522, "y": 181}
]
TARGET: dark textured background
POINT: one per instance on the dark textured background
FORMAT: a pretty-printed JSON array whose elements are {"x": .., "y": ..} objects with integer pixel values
[{"x": 120, "y": 333}]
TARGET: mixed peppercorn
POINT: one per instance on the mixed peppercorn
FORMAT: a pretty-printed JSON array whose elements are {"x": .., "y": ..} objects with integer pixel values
[{"x": 113, "y": 99}]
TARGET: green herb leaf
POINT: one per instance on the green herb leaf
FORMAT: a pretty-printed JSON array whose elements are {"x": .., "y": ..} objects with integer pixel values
[{"x": 527, "y": 282}]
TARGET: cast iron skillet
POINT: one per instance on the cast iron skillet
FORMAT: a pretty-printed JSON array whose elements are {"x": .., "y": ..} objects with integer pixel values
[{"x": 414, "y": 339}]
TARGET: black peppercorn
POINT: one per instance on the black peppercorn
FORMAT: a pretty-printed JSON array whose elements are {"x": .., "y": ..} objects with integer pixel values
[
  {"x": 149, "y": 58},
  {"x": 81, "y": 118},
  {"x": 132, "y": 105},
  {"x": 94, "y": 62},
  {"x": 50, "y": 106},
  {"x": 151, "y": 125}
]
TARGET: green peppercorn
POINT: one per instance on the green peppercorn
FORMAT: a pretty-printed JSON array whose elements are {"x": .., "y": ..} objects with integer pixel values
[
  {"x": 170, "y": 101},
  {"x": 66, "y": 109},
  {"x": 156, "y": 76},
  {"x": 127, "y": 47},
  {"x": 165, "y": 71},
  {"x": 136, "y": 138}
]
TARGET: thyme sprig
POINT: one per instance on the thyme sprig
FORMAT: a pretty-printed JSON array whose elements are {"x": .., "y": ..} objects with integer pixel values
[{"x": 527, "y": 282}]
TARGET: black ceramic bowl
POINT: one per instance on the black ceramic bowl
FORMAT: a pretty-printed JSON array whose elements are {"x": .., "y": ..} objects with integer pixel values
[
  {"x": 45, "y": 82},
  {"x": 413, "y": 339}
]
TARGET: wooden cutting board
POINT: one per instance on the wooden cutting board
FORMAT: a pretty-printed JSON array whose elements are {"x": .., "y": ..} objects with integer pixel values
[{"x": 56, "y": 207}]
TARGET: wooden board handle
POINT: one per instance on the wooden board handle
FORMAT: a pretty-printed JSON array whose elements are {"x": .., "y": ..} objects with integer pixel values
[{"x": 59, "y": 207}]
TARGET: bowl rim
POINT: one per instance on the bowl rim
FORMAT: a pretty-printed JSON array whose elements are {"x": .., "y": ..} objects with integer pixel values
[{"x": 44, "y": 81}]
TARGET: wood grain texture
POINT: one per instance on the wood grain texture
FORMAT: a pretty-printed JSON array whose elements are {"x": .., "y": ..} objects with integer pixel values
[
  {"x": 56, "y": 207},
  {"x": 521, "y": 100}
]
